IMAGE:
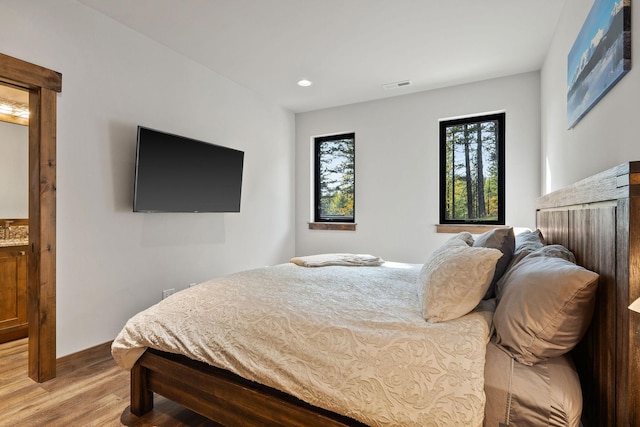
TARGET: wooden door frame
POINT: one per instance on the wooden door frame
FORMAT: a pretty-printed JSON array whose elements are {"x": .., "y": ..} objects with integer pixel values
[{"x": 43, "y": 85}]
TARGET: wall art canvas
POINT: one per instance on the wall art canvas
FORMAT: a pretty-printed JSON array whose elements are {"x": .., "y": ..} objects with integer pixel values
[{"x": 599, "y": 58}]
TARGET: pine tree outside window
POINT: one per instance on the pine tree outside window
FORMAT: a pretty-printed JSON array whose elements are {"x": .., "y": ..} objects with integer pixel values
[
  {"x": 472, "y": 170},
  {"x": 335, "y": 178}
]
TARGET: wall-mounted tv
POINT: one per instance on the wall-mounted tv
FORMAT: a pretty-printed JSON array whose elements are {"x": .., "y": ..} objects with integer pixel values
[{"x": 178, "y": 174}]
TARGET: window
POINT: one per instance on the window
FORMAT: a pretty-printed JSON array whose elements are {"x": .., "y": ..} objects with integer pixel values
[
  {"x": 335, "y": 178},
  {"x": 472, "y": 170}
]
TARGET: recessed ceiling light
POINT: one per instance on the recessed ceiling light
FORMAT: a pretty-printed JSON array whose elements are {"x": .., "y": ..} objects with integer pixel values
[{"x": 304, "y": 83}]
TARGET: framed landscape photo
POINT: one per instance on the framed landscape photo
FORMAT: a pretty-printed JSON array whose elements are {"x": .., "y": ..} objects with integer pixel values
[{"x": 599, "y": 58}]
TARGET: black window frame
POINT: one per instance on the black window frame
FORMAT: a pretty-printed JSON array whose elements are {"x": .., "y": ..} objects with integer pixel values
[
  {"x": 317, "y": 214},
  {"x": 500, "y": 118}
]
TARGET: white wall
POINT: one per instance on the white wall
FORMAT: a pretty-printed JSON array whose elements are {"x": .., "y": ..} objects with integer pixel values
[
  {"x": 397, "y": 164},
  {"x": 112, "y": 262},
  {"x": 608, "y": 134},
  {"x": 14, "y": 170}
]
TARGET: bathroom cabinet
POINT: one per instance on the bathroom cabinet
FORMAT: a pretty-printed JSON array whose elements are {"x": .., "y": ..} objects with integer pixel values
[{"x": 13, "y": 293}]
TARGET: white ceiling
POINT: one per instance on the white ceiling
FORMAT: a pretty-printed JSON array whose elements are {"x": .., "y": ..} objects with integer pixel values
[{"x": 348, "y": 48}]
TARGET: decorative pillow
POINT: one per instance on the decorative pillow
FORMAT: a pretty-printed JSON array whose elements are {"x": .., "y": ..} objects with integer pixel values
[
  {"x": 545, "y": 309},
  {"x": 455, "y": 279},
  {"x": 463, "y": 239},
  {"x": 502, "y": 239},
  {"x": 464, "y": 236}
]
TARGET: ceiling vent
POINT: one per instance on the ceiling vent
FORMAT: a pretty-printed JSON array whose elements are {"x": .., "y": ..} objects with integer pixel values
[{"x": 396, "y": 85}]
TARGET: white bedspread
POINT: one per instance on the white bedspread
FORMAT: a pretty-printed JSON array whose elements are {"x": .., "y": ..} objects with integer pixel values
[{"x": 350, "y": 340}]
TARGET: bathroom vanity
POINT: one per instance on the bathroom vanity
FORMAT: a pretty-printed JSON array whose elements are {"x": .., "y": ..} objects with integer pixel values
[{"x": 13, "y": 285}]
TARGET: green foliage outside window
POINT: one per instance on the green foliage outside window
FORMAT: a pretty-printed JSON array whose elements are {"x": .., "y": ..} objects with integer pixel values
[
  {"x": 335, "y": 178},
  {"x": 472, "y": 171}
]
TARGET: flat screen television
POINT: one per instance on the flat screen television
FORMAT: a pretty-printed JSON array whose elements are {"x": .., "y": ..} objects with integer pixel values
[{"x": 178, "y": 174}]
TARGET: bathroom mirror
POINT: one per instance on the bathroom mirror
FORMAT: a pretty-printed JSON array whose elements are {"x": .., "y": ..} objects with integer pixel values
[{"x": 14, "y": 152}]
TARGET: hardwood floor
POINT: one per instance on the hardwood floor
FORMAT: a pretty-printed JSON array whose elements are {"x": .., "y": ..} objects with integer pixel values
[{"x": 90, "y": 391}]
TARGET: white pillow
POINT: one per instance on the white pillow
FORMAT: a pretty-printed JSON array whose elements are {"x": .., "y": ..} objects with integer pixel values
[{"x": 455, "y": 279}]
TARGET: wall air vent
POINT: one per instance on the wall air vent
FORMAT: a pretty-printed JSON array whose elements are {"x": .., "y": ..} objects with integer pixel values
[{"x": 396, "y": 85}]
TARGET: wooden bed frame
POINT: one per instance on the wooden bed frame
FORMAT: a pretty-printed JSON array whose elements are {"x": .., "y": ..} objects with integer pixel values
[
  {"x": 221, "y": 395},
  {"x": 598, "y": 219}
]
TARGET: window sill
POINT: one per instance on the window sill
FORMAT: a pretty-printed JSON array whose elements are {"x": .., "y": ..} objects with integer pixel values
[
  {"x": 471, "y": 228},
  {"x": 338, "y": 226}
]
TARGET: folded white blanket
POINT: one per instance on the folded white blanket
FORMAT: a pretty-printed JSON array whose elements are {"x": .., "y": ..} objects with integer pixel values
[{"x": 323, "y": 260}]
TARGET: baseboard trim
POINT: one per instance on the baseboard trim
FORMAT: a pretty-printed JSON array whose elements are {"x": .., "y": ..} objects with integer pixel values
[{"x": 83, "y": 358}]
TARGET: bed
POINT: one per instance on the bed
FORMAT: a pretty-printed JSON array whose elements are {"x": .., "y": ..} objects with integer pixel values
[
  {"x": 589, "y": 219},
  {"x": 349, "y": 339}
]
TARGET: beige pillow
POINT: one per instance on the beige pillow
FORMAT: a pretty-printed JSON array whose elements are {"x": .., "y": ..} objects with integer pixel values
[
  {"x": 545, "y": 308},
  {"x": 465, "y": 236},
  {"x": 455, "y": 279}
]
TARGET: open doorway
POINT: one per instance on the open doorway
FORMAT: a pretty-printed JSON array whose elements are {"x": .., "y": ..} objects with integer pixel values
[
  {"x": 14, "y": 211},
  {"x": 42, "y": 85}
]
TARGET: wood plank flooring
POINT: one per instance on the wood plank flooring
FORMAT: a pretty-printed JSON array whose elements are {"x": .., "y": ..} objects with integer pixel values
[{"x": 89, "y": 391}]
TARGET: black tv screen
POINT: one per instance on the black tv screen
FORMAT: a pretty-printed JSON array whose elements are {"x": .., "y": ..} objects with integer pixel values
[{"x": 178, "y": 174}]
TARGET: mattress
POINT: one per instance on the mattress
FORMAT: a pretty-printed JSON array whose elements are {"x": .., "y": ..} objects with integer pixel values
[{"x": 351, "y": 340}]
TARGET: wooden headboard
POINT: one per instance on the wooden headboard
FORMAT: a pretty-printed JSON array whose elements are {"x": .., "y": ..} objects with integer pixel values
[{"x": 598, "y": 219}]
